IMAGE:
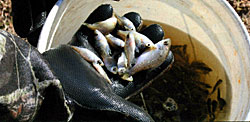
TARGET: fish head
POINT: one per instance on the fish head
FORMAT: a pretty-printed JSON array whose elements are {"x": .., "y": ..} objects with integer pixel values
[
  {"x": 121, "y": 70},
  {"x": 110, "y": 64},
  {"x": 164, "y": 44},
  {"x": 114, "y": 69},
  {"x": 130, "y": 39},
  {"x": 130, "y": 26},
  {"x": 150, "y": 46},
  {"x": 167, "y": 42}
]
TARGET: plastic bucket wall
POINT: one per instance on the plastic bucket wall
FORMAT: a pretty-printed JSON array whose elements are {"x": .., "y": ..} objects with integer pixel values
[{"x": 212, "y": 24}]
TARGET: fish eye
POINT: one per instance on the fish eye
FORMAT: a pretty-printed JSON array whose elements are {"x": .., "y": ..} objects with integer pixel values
[
  {"x": 148, "y": 45},
  {"x": 114, "y": 69},
  {"x": 132, "y": 29},
  {"x": 99, "y": 62},
  {"x": 166, "y": 43}
]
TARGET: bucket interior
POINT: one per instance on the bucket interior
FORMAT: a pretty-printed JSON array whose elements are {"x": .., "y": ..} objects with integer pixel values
[{"x": 199, "y": 52}]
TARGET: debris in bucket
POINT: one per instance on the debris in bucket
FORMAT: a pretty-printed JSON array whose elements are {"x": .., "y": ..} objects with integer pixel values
[
  {"x": 170, "y": 105},
  {"x": 184, "y": 86},
  {"x": 216, "y": 85}
]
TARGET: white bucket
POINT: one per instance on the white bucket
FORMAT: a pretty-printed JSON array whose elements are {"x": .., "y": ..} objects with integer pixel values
[{"x": 198, "y": 23}]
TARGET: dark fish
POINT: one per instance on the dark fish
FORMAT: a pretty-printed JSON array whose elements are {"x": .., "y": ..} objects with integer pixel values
[
  {"x": 201, "y": 66},
  {"x": 214, "y": 105},
  {"x": 216, "y": 85},
  {"x": 221, "y": 101},
  {"x": 209, "y": 103}
]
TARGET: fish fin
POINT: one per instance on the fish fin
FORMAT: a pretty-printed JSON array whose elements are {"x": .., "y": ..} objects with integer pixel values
[{"x": 137, "y": 50}]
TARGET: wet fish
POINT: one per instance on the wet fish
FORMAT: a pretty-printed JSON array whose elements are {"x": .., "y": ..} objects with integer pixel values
[
  {"x": 152, "y": 58},
  {"x": 88, "y": 55},
  {"x": 101, "y": 44},
  {"x": 122, "y": 64},
  {"x": 125, "y": 22},
  {"x": 103, "y": 49},
  {"x": 110, "y": 64},
  {"x": 129, "y": 48},
  {"x": 102, "y": 72},
  {"x": 141, "y": 40},
  {"x": 105, "y": 26},
  {"x": 114, "y": 41},
  {"x": 94, "y": 59}
]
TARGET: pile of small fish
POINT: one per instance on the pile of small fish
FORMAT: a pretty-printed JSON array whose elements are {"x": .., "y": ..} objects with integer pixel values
[{"x": 123, "y": 50}]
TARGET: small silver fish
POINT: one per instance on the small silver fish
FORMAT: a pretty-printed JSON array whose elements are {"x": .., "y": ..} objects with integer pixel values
[
  {"x": 105, "y": 26},
  {"x": 122, "y": 64},
  {"x": 129, "y": 48},
  {"x": 110, "y": 64},
  {"x": 102, "y": 72},
  {"x": 152, "y": 58},
  {"x": 114, "y": 41},
  {"x": 125, "y": 22},
  {"x": 101, "y": 44},
  {"x": 94, "y": 59},
  {"x": 88, "y": 55},
  {"x": 141, "y": 40}
]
